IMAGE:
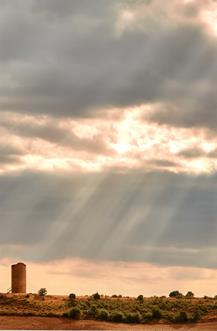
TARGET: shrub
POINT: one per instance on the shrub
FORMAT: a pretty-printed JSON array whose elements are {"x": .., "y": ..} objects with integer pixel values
[
  {"x": 65, "y": 314},
  {"x": 116, "y": 316},
  {"x": 140, "y": 298},
  {"x": 72, "y": 296},
  {"x": 42, "y": 292},
  {"x": 102, "y": 314},
  {"x": 96, "y": 296},
  {"x": 189, "y": 294},
  {"x": 175, "y": 294},
  {"x": 92, "y": 311},
  {"x": 206, "y": 297},
  {"x": 156, "y": 313},
  {"x": 133, "y": 318},
  {"x": 196, "y": 316},
  {"x": 147, "y": 317},
  {"x": 75, "y": 313},
  {"x": 114, "y": 296},
  {"x": 181, "y": 317},
  {"x": 72, "y": 303}
]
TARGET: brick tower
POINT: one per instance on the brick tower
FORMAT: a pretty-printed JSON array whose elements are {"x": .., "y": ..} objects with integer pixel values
[{"x": 18, "y": 278}]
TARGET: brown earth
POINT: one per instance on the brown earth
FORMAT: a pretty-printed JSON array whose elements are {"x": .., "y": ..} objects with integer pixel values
[{"x": 53, "y": 323}]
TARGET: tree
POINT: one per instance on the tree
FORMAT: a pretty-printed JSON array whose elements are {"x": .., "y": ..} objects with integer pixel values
[
  {"x": 189, "y": 294},
  {"x": 72, "y": 296},
  {"x": 42, "y": 292},
  {"x": 140, "y": 298},
  {"x": 175, "y": 294},
  {"x": 96, "y": 296}
]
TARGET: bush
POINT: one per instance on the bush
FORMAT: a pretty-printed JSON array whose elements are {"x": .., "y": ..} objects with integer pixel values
[
  {"x": 140, "y": 298},
  {"x": 116, "y": 316},
  {"x": 196, "y": 316},
  {"x": 102, "y": 315},
  {"x": 147, "y": 317},
  {"x": 189, "y": 294},
  {"x": 42, "y": 292},
  {"x": 181, "y": 317},
  {"x": 156, "y": 313},
  {"x": 75, "y": 313},
  {"x": 133, "y": 318},
  {"x": 72, "y": 296},
  {"x": 92, "y": 311},
  {"x": 96, "y": 296},
  {"x": 175, "y": 294}
]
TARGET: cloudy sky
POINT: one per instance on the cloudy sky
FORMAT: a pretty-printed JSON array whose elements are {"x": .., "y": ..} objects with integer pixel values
[{"x": 108, "y": 145}]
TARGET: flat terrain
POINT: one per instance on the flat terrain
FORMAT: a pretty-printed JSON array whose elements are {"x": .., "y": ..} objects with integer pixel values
[
  {"x": 32, "y": 312},
  {"x": 54, "y": 323}
]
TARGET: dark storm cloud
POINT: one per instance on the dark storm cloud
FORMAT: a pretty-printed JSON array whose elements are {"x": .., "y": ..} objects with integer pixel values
[
  {"x": 68, "y": 59},
  {"x": 159, "y": 217}
]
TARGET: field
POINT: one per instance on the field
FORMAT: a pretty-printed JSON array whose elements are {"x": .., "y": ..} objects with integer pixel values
[{"x": 96, "y": 312}]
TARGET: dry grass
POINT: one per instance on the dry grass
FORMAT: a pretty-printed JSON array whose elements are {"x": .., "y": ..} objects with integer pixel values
[{"x": 58, "y": 306}]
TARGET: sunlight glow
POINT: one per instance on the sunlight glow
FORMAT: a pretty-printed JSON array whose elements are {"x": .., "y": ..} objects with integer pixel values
[
  {"x": 124, "y": 140},
  {"x": 122, "y": 148},
  {"x": 210, "y": 19}
]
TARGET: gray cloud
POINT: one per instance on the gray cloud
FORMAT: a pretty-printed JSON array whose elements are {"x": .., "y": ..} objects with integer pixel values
[
  {"x": 68, "y": 61},
  {"x": 158, "y": 217},
  {"x": 195, "y": 152},
  {"x": 192, "y": 153},
  {"x": 50, "y": 131},
  {"x": 9, "y": 154},
  {"x": 162, "y": 163}
]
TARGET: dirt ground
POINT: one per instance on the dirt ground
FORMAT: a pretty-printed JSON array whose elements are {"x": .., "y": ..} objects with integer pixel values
[{"x": 52, "y": 323}]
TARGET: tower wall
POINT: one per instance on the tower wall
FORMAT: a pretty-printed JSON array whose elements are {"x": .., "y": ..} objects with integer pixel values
[{"x": 18, "y": 278}]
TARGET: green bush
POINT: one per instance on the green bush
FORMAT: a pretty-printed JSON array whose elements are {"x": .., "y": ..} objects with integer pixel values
[
  {"x": 96, "y": 296},
  {"x": 42, "y": 292},
  {"x": 140, "y": 298},
  {"x": 156, "y": 313},
  {"x": 72, "y": 296},
  {"x": 196, "y": 316},
  {"x": 175, "y": 294},
  {"x": 92, "y": 311},
  {"x": 75, "y": 313},
  {"x": 133, "y": 318},
  {"x": 102, "y": 314},
  {"x": 189, "y": 294},
  {"x": 117, "y": 316},
  {"x": 181, "y": 317},
  {"x": 147, "y": 317}
]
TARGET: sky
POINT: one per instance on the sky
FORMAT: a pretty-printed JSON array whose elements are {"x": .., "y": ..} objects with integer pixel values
[{"x": 108, "y": 145}]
